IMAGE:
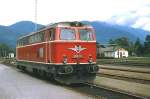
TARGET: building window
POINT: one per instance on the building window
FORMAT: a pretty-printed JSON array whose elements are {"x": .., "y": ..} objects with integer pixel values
[{"x": 123, "y": 53}]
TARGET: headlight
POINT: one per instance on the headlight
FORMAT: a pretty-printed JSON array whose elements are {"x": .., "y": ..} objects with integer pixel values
[
  {"x": 90, "y": 60},
  {"x": 65, "y": 60}
]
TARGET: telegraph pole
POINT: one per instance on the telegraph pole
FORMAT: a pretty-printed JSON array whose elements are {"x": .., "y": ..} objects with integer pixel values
[{"x": 36, "y": 1}]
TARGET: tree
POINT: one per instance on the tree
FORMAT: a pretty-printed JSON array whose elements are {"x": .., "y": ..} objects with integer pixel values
[
  {"x": 131, "y": 49},
  {"x": 147, "y": 45},
  {"x": 5, "y": 50},
  {"x": 138, "y": 48},
  {"x": 111, "y": 41},
  {"x": 122, "y": 42}
]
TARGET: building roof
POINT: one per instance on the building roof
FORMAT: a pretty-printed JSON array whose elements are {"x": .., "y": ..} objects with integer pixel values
[
  {"x": 111, "y": 49},
  {"x": 107, "y": 49}
]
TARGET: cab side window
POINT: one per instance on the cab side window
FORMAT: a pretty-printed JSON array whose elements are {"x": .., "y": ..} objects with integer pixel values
[{"x": 52, "y": 34}]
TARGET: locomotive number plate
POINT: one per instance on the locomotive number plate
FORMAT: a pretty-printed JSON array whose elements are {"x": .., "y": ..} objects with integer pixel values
[{"x": 78, "y": 56}]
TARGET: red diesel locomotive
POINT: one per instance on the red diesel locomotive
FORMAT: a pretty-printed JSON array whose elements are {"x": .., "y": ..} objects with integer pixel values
[{"x": 65, "y": 51}]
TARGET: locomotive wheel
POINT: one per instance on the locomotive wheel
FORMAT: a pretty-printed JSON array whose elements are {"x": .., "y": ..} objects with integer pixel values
[
  {"x": 22, "y": 68},
  {"x": 50, "y": 76},
  {"x": 35, "y": 71},
  {"x": 42, "y": 73},
  {"x": 18, "y": 66}
]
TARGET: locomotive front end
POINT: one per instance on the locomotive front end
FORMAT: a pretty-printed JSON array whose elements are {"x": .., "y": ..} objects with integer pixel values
[{"x": 76, "y": 53}]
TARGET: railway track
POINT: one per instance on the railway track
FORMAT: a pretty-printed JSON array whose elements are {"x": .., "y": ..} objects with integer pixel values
[
  {"x": 113, "y": 93},
  {"x": 132, "y": 81},
  {"x": 126, "y": 68},
  {"x": 133, "y": 61},
  {"x": 126, "y": 73},
  {"x": 125, "y": 78}
]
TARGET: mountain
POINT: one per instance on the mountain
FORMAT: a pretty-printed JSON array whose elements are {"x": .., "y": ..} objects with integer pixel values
[
  {"x": 104, "y": 31},
  {"x": 9, "y": 34},
  {"x": 24, "y": 27}
]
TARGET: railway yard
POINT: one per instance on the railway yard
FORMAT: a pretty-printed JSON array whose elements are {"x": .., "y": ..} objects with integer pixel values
[{"x": 112, "y": 82}]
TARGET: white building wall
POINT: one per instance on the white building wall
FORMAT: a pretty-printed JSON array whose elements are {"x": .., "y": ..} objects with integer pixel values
[
  {"x": 123, "y": 52},
  {"x": 116, "y": 54},
  {"x": 126, "y": 54},
  {"x": 11, "y": 55}
]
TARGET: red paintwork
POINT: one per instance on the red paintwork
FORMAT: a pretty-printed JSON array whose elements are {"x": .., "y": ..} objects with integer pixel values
[
  {"x": 61, "y": 49},
  {"x": 54, "y": 51},
  {"x": 30, "y": 53}
]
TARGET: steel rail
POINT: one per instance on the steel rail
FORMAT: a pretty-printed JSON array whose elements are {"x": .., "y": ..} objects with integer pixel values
[{"x": 117, "y": 91}]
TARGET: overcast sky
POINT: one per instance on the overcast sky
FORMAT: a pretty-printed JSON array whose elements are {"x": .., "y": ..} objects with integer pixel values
[{"x": 135, "y": 13}]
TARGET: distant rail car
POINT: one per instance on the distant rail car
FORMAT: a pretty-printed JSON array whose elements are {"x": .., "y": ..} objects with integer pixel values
[{"x": 64, "y": 51}]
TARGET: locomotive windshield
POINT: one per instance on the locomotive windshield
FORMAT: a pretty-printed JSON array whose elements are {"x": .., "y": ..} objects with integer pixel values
[
  {"x": 67, "y": 34},
  {"x": 86, "y": 34}
]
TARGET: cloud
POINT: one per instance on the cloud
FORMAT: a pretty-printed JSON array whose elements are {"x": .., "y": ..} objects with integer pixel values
[
  {"x": 124, "y": 19},
  {"x": 125, "y": 12},
  {"x": 139, "y": 18},
  {"x": 145, "y": 11},
  {"x": 143, "y": 22}
]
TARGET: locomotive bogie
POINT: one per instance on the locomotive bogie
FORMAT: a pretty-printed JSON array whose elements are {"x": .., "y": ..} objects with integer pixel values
[{"x": 67, "y": 74}]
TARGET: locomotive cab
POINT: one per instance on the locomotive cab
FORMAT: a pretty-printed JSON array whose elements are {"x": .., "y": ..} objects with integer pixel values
[{"x": 75, "y": 52}]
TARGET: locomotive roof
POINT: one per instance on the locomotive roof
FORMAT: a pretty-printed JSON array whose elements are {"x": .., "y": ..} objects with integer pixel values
[
  {"x": 59, "y": 24},
  {"x": 73, "y": 24}
]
